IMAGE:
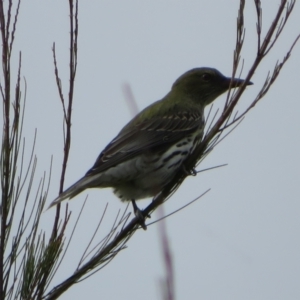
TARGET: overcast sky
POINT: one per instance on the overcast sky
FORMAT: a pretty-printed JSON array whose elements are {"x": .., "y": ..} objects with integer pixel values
[{"x": 241, "y": 240}]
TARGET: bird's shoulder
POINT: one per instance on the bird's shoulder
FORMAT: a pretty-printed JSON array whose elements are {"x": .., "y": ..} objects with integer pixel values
[{"x": 164, "y": 114}]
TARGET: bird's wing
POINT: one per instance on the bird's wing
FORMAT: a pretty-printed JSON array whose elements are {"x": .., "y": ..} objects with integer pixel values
[{"x": 155, "y": 134}]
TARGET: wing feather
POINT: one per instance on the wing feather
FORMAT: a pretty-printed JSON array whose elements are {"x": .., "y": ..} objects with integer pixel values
[{"x": 157, "y": 133}]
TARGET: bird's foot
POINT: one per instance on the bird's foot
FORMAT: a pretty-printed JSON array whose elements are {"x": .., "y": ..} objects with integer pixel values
[
  {"x": 191, "y": 172},
  {"x": 139, "y": 214}
]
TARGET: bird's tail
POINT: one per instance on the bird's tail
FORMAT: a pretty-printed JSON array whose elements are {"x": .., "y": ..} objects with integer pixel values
[{"x": 72, "y": 191}]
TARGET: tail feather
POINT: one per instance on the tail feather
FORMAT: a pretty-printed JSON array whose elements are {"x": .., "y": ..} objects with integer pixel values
[{"x": 72, "y": 191}]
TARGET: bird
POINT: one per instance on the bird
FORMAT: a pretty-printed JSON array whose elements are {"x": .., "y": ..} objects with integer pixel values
[{"x": 148, "y": 152}]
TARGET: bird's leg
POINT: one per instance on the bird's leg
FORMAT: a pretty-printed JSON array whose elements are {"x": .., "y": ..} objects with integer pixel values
[{"x": 139, "y": 214}]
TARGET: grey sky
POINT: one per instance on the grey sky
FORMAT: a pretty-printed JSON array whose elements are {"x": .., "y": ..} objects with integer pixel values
[{"x": 241, "y": 240}]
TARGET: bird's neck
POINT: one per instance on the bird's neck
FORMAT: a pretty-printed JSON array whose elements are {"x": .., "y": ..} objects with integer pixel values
[{"x": 184, "y": 102}]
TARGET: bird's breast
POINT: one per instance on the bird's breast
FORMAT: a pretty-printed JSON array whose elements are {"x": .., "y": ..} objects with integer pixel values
[{"x": 146, "y": 175}]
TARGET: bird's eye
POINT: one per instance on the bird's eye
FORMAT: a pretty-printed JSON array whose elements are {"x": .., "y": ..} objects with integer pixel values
[{"x": 206, "y": 77}]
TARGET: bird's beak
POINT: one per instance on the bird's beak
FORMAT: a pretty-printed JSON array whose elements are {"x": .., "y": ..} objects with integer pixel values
[{"x": 236, "y": 82}]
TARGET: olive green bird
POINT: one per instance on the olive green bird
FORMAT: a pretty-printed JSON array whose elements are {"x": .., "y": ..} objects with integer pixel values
[{"x": 147, "y": 153}]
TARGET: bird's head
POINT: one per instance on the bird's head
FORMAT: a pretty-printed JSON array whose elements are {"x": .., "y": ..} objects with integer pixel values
[{"x": 204, "y": 84}]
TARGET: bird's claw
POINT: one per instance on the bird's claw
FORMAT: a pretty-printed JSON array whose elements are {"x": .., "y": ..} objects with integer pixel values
[
  {"x": 141, "y": 219},
  {"x": 191, "y": 172},
  {"x": 140, "y": 215}
]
